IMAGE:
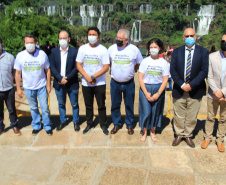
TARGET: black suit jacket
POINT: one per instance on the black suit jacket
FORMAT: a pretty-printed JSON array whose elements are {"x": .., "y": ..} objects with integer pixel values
[
  {"x": 71, "y": 70},
  {"x": 199, "y": 71}
]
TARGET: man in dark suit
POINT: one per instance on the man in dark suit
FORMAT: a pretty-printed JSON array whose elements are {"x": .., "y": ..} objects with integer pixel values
[
  {"x": 63, "y": 68},
  {"x": 188, "y": 68}
]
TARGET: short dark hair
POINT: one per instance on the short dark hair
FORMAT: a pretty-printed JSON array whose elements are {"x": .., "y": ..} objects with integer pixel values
[
  {"x": 0, "y": 40},
  {"x": 156, "y": 41},
  {"x": 95, "y": 29},
  {"x": 30, "y": 36}
]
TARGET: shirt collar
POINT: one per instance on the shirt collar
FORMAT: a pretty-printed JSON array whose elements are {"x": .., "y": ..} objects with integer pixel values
[
  {"x": 3, "y": 53},
  {"x": 222, "y": 55},
  {"x": 66, "y": 49},
  {"x": 193, "y": 47},
  {"x": 120, "y": 49}
]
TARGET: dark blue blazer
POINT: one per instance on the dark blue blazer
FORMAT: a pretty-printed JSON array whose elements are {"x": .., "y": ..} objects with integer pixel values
[
  {"x": 199, "y": 72},
  {"x": 71, "y": 70}
]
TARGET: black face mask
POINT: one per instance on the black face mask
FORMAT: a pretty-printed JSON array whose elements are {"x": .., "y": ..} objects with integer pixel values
[
  {"x": 119, "y": 43},
  {"x": 223, "y": 46}
]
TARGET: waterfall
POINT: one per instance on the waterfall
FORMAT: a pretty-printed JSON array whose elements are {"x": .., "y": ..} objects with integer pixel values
[
  {"x": 99, "y": 24},
  {"x": 142, "y": 8},
  {"x": 206, "y": 14},
  {"x": 148, "y": 8},
  {"x": 102, "y": 11},
  {"x": 62, "y": 8},
  {"x": 187, "y": 11},
  {"x": 171, "y": 8},
  {"x": 45, "y": 9},
  {"x": 49, "y": 12},
  {"x": 70, "y": 18},
  {"x": 111, "y": 8},
  {"x": 177, "y": 6},
  {"x": 127, "y": 8},
  {"x": 71, "y": 11},
  {"x": 193, "y": 25},
  {"x": 108, "y": 24},
  {"x": 139, "y": 21}
]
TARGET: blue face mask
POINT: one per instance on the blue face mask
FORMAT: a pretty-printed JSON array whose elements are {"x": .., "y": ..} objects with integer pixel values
[{"x": 189, "y": 41}]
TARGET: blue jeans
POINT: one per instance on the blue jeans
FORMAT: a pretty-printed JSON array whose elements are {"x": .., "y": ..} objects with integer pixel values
[
  {"x": 32, "y": 96},
  {"x": 128, "y": 91},
  {"x": 61, "y": 97}
]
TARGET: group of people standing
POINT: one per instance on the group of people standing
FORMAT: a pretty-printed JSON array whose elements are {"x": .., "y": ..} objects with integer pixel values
[{"x": 188, "y": 67}]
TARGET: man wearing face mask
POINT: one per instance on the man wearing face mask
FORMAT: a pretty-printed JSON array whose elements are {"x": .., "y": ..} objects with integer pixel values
[
  {"x": 63, "y": 68},
  {"x": 33, "y": 64},
  {"x": 93, "y": 63},
  {"x": 216, "y": 96},
  {"x": 188, "y": 68},
  {"x": 125, "y": 59},
  {"x": 7, "y": 92}
]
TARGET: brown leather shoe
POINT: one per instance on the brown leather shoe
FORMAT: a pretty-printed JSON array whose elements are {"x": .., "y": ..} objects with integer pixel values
[
  {"x": 189, "y": 142},
  {"x": 220, "y": 147},
  {"x": 115, "y": 130},
  {"x": 177, "y": 141},
  {"x": 130, "y": 130},
  {"x": 17, "y": 131},
  {"x": 205, "y": 144}
]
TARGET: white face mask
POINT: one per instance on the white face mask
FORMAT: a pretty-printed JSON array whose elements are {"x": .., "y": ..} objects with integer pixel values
[
  {"x": 154, "y": 51},
  {"x": 92, "y": 39},
  {"x": 63, "y": 43},
  {"x": 30, "y": 47}
]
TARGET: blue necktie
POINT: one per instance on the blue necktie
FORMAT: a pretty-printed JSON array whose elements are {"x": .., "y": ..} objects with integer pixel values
[{"x": 188, "y": 67}]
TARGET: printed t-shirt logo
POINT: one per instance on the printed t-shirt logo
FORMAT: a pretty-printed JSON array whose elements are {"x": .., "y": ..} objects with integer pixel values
[
  {"x": 32, "y": 66},
  {"x": 92, "y": 62},
  {"x": 122, "y": 62}
]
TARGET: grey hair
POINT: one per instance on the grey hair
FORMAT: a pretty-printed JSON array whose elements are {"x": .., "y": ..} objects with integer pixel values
[{"x": 125, "y": 31}]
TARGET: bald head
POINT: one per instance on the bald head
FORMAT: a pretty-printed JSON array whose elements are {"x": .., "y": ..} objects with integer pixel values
[{"x": 189, "y": 32}]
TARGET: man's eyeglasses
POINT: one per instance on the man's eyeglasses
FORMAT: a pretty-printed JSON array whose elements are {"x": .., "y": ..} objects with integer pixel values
[{"x": 186, "y": 36}]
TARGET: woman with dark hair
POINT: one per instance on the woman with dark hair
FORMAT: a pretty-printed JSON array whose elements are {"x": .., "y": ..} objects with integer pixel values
[{"x": 153, "y": 77}]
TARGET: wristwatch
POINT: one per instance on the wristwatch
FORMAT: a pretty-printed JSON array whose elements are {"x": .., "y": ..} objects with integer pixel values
[
  {"x": 93, "y": 78},
  {"x": 159, "y": 93}
]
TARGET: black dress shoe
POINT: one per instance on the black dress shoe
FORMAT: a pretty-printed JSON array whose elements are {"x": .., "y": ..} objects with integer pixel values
[
  {"x": 105, "y": 130},
  {"x": 130, "y": 130},
  {"x": 189, "y": 142},
  {"x": 76, "y": 127},
  {"x": 177, "y": 141},
  {"x": 60, "y": 126},
  {"x": 88, "y": 127},
  {"x": 115, "y": 130}
]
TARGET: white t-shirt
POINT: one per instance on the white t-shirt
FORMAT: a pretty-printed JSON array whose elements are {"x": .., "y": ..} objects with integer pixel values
[
  {"x": 123, "y": 62},
  {"x": 154, "y": 70},
  {"x": 93, "y": 59},
  {"x": 32, "y": 66}
]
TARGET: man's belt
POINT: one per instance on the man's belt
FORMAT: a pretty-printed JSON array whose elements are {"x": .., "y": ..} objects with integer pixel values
[{"x": 124, "y": 83}]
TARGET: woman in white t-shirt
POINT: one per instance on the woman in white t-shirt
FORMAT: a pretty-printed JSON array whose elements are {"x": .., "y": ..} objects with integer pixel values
[{"x": 153, "y": 77}]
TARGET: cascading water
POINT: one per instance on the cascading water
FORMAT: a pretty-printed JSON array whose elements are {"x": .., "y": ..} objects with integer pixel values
[
  {"x": 187, "y": 11},
  {"x": 134, "y": 37},
  {"x": 142, "y": 8},
  {"x": 171, "y": 8},
  {"x": 148, "y": 8},
  {"x": 99, "y": 24},
  {"x": 206, "y": 14}
]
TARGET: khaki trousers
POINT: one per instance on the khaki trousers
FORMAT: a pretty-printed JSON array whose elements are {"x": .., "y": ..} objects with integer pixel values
[
  {"x": 185, "y": 114},
  {"x": 212, "y": 106}
]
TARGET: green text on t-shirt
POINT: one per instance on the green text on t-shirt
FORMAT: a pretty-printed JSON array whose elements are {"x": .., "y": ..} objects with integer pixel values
[
  {"x": 155, "y": 73},
  {"x": 92, "y": 62},
  {"x": 122, "y": 62}
]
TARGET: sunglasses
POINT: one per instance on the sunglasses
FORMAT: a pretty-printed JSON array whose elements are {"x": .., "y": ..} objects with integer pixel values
[
  {"x": 186, "y": 36},
  {"x": 223, "y": 41}
]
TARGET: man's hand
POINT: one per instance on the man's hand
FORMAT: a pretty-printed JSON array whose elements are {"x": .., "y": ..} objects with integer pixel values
[
  {"x": 89, "y": 79},
  {"x": 186, "y": 88},
  {"x": 48, "y": 89},
  {"x": 63, "y": 81},
  {"x": 218, "y": 94},
  {"x": 20, "y": 93}
]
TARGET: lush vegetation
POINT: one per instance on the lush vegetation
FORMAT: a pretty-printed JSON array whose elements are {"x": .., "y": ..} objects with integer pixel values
[{"x": 159, "y": 23}]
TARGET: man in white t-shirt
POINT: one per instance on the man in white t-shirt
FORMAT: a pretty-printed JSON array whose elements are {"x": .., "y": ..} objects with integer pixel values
[
  {"x": 93, "y": 62},
  {"x": 33, "y": 64},
  {"x": 125, "y": 59}
]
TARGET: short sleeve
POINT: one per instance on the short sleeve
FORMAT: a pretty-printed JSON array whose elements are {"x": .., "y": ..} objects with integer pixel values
[
  {"x": 139, "y": 57},
  {"x": 80, "y": 55},
  {"x": 142, "y": 67},
  {"x": 166, "y": 69},
  {"x": 17, "y": 65},
  {"x": 46, "y": 64},
  {"x": 105, "y": 57}
]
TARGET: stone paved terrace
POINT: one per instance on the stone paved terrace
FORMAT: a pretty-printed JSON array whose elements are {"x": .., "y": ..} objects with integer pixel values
[{"x": 69, "y": 157}]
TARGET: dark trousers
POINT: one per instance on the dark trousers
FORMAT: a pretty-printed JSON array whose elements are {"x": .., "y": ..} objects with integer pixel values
[
  {"x": 9, "y": 98},
  {"x": 100, "y": 94}
]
